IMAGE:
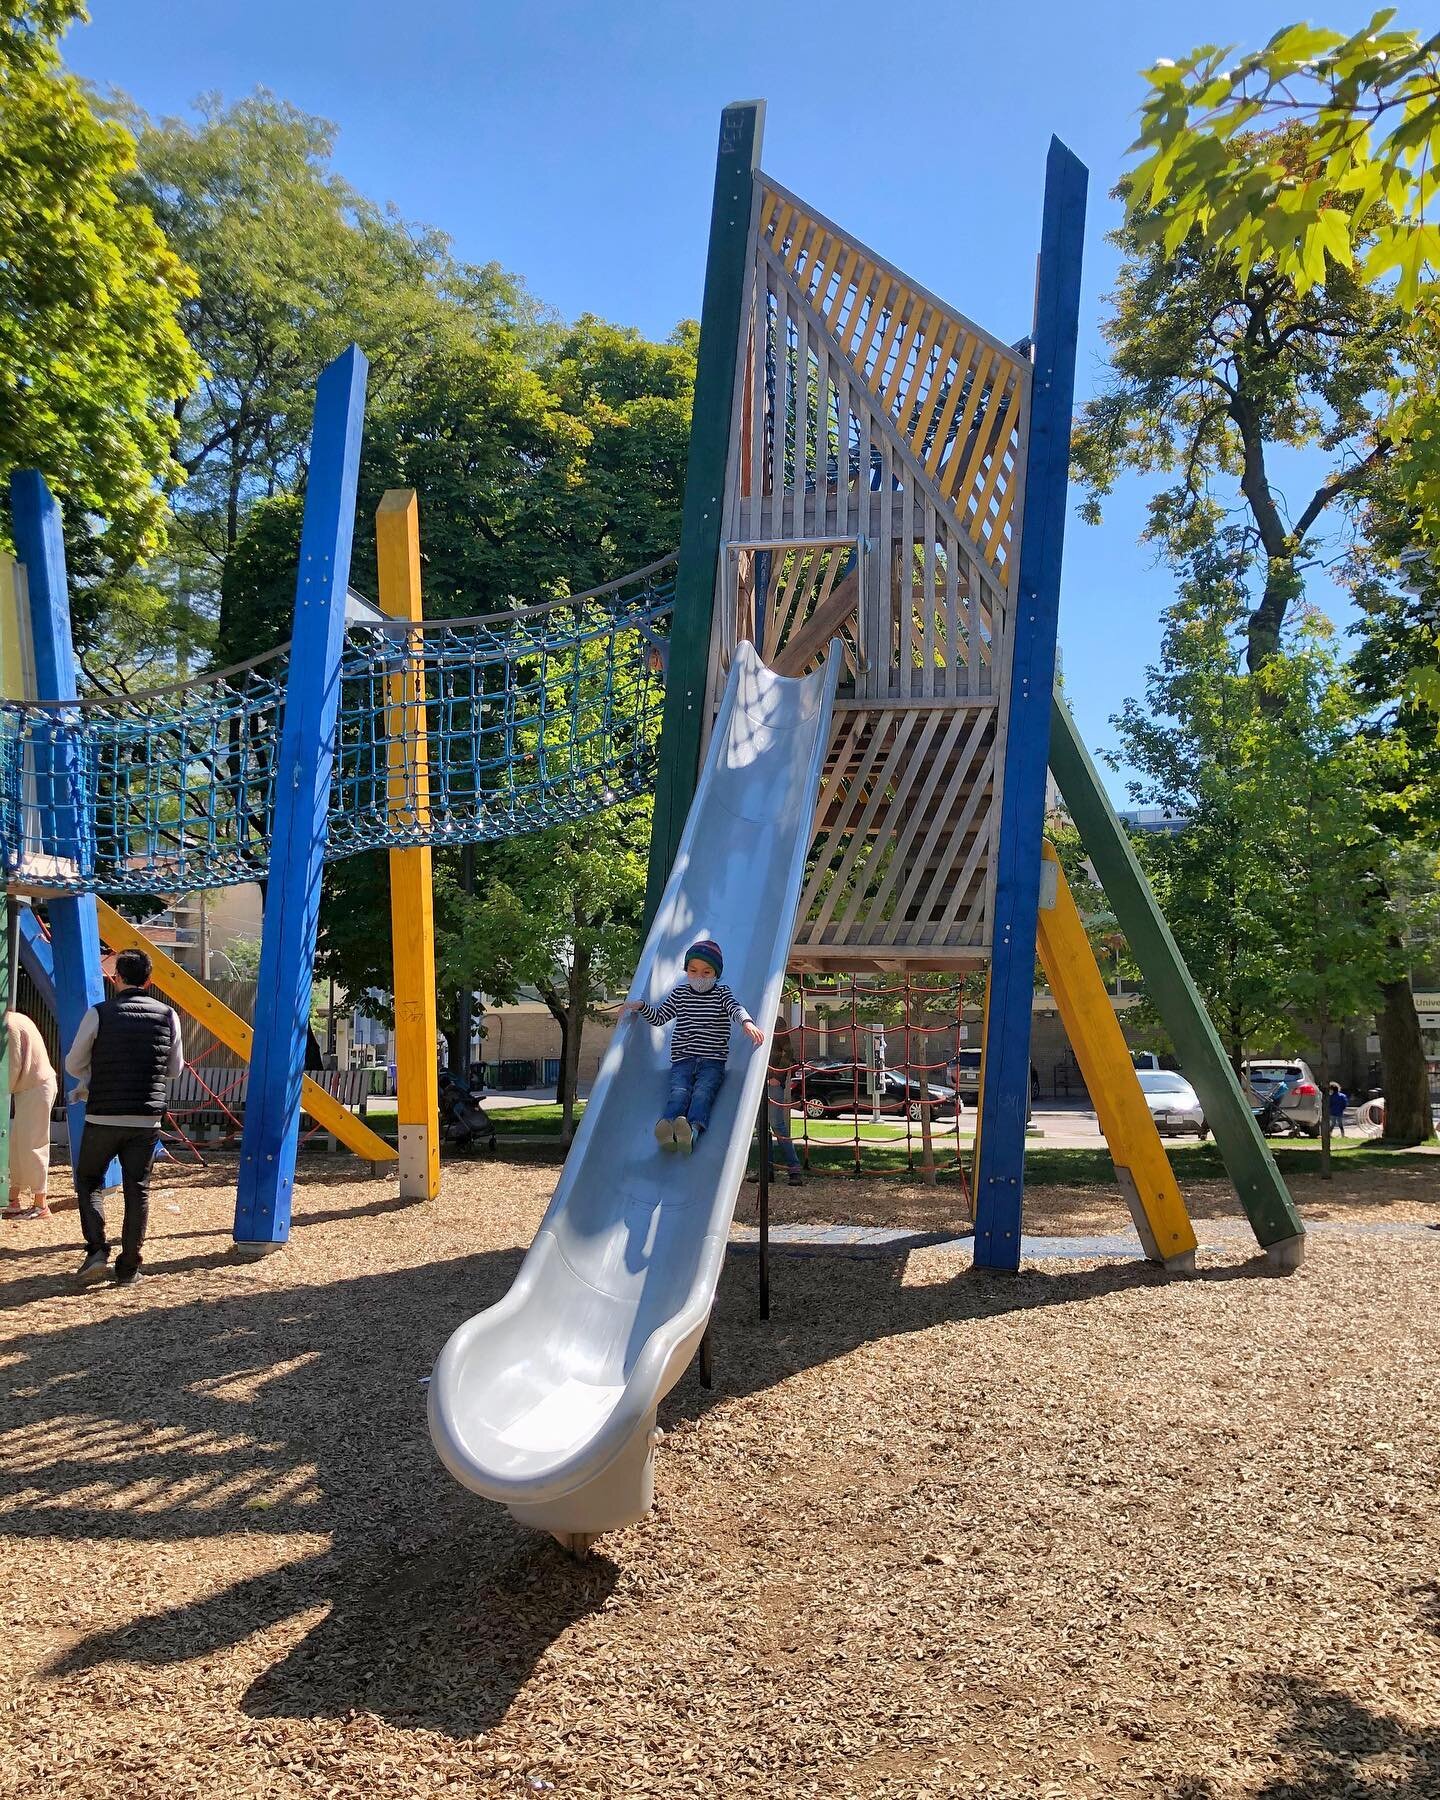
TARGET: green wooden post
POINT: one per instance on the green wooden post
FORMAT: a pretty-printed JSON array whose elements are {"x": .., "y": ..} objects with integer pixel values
[
  {"x": 702, "y": 522},
  {"x": 1263, "y": 1194}
]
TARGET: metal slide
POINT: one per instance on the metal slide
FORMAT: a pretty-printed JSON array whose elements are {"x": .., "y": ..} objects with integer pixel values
[{"x": 546, "y": 1401}]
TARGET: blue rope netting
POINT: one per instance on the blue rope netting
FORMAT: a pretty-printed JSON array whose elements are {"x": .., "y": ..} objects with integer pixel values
[{"x": 532, "y": 718}]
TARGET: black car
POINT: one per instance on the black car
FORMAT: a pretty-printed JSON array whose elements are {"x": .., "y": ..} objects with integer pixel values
[
  {"x": 964, "y": 1071},
  {"x": 843, "y": 1087}
]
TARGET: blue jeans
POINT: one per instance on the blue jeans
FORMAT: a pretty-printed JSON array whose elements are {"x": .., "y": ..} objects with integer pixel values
[{"x": 694, "y": 1083}]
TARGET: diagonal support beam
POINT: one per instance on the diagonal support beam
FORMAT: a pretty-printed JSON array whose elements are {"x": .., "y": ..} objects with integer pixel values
[
  {"x": 1263, "y": 1194},
  {"x": 1141, "y": 1166},
  {"x": 1034, "y": 616},
  {"x": 702, "y": 523},
  {"x": 304, "y": 765},
  {"x": 195, "y": 998}
]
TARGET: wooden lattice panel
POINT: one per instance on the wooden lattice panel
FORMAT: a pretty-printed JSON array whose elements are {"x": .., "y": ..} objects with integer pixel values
[
  {"x": 899, "y": 867},
  {"x": 875, "y": 493},
  {"x": 955, "y": 395},
  {"x": 791, "y": 599}
]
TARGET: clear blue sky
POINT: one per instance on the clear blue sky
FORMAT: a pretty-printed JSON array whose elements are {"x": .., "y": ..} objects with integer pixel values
[{"x": 573, "y": 141}]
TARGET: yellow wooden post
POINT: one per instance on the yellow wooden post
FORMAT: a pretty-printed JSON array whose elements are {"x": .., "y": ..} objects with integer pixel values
[
  {"x": 412, "y": 916},
  {"x": 1141, "y": 1165},
  {"x": 12, "y": 661}
]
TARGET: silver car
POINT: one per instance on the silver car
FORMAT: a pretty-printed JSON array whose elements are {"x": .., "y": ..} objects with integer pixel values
[
  {"x": 1174, "y": 1104},
  {"x": 1300, "y": 1109}
]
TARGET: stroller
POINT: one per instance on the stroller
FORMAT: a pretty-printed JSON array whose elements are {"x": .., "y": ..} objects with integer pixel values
[
  {"x": 464, "y": 1123},
  {"x": 1268, "y": 1116}
]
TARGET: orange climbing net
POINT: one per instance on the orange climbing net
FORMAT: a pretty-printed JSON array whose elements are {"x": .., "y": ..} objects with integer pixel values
[{"x": 887, "y": 1075}]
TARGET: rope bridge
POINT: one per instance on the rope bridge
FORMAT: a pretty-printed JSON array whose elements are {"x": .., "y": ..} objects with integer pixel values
[{"x": 531, "y": 718}]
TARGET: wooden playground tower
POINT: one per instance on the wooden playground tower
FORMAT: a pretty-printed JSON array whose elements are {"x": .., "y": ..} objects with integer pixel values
[
  {"x": 865, "y": 464},
  {"x": 869, "y": 465}
]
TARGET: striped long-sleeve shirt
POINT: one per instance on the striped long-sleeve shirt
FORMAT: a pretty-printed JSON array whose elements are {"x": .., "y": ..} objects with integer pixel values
[{"x": 702, "y": 1021}]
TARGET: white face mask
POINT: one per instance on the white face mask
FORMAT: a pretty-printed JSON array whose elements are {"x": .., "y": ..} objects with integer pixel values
[{"x": 701, "y": 984}]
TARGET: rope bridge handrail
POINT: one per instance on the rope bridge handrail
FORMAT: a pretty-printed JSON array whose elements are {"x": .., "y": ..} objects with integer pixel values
[{"x": 536, "y": 717}]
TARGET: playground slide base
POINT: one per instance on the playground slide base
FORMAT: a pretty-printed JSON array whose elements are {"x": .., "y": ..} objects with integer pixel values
[{"x": 547, "y": 1401}]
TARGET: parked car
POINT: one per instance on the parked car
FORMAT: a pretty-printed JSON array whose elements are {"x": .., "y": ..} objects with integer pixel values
[
  {"x": 843, "y": 1087},
  {"x": 1144, "y": 1059},
  {"x": 963, "y": 1072},
  {"x": 1300, "y": 1107},
  {"x": 1174, "y": 1104}
]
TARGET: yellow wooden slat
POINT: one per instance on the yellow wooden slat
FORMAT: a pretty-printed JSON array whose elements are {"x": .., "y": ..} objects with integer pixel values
[
  {"x": 847, "y": 279},
  {"x": 944, "y": 355},
  {"x": 194, "y": 998},
  {"x": 981, "y": 530},
  {"x": 961, "y": 360},
  {"x": 878, "y": 287},
  {"x": 952, "y": 473}
]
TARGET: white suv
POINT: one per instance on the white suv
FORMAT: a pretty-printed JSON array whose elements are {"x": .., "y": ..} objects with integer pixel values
[{"x": 1301, "y": 1106}]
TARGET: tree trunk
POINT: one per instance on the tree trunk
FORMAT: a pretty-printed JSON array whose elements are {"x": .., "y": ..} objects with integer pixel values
[
  {"x": 560, "y": 1013},
  {"x": 1282, "y": 585},
  {"x": 563, "y": 1097},
  {"x": 1322, "y": 1075},
  {"x": 927, "y": 1142},
  {"x": 578, "y": 999},
  {"x": 1402, "y": 1066}
]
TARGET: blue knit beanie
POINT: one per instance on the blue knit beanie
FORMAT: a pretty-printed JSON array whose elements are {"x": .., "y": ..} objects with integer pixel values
[{"x": 707, "y": 950}]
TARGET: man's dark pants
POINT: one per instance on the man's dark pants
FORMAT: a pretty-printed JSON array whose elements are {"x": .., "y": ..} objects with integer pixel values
[{"x": 135, "y": 1147}]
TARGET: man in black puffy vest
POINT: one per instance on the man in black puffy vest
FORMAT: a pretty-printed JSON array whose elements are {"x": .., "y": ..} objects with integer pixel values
[{"x": 126, "y": 1050}]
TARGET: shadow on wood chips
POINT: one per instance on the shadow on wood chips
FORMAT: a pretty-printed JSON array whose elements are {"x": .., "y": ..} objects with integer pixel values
[
  {"x": 438, "y": 1608},
  {"x": 1340, "y": 1749}
]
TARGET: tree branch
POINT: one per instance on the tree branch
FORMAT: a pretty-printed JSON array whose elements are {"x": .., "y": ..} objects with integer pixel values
[{"x": 1338, "y": 484}]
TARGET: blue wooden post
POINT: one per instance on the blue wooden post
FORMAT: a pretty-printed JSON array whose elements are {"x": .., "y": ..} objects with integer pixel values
[
  {"x": 1005, "y": 1103},
  {"x": 302, "y": 802},
  {"x": 74, "y": 933}
]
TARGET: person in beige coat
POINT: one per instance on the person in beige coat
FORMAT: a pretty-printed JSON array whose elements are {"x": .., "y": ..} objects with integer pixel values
[{"x": 32, "y": 1087}]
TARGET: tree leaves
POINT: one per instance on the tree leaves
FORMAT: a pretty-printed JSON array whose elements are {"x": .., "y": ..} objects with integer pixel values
[
  {"x": 1349, "y": 183},
  {"x": 92, "y": 355}
]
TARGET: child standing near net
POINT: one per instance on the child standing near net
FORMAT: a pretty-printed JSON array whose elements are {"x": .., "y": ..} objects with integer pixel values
[{"x": 703, "y": 1010}]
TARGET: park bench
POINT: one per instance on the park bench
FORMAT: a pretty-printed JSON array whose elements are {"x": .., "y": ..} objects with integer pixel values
[{"x": 207, "y": 1104}]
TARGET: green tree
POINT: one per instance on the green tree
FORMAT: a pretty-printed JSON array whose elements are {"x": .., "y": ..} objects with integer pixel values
[
  {"x": 558, "y": 911},
  {"x": 533, "y": 484},
  {"x": 1360, "y": 198},
  {"x": 1399, "y": 641},
  {"x": 292, "y": 265},
  {"x": 1327, "y": 778},
  {"x": 1190, "y": 742},
  {"x": 92, "y": 355},
  {"x": 1216, "y": 370},
  {"x": 1285, "y": 889}
]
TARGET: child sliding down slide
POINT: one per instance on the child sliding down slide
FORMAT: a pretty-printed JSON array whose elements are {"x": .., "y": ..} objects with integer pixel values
[{"x": 702, "y": 1009}]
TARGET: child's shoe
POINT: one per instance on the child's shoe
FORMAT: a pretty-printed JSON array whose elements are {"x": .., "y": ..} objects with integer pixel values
[
  {"x": 796, "y": 1179},
  {"x": 684, "y": 1135},
  {"x": 665, "y": 1133}
]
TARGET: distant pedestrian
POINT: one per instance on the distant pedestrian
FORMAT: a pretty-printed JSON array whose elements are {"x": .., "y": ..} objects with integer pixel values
[
  {"x": 32, "y": 1087},
  {"x": 1339, "y": 1100},
  {"x": 125, "y": 1053},
  {"x": 779, "y": 1078}
]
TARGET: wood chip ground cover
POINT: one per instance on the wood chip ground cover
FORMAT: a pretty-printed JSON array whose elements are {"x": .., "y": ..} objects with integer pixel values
[{"x": 1080, "y": 1532}]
